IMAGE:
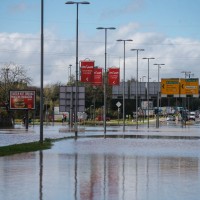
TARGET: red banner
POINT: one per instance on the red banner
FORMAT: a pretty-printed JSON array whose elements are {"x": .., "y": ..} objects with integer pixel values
[
  {"x": 22, "y": 99},
  {"x": 87, "y": 70},
  {"x": 97, "y": 76},
  {"x": 113, "y": 76}
]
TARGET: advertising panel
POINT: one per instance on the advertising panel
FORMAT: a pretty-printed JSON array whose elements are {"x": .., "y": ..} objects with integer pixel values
[
  {"x": 87, "y": 70},
  {"x": 113, "y": 76},
  {"x": 189, "y": 87},
  {"x": 97, "y": 78},
  {"x": 22, "y": 99},
  {"x": 67, "y": 99},
  {"x": 170, "y": 87}
]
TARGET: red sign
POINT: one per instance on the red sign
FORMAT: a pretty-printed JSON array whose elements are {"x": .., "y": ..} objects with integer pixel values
[
  {"x": 113, "y": 76},
  {"x": 87, "y": 70},
  {"x": 22, "y": 99},
  {"x": 97, "y": 78}
]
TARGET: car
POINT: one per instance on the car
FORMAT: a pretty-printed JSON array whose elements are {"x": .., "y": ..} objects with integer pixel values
[
  {"x": 191, "y": 116},
  {"x": 171, "y": 118},
  {"x": 100, "y": 118}
]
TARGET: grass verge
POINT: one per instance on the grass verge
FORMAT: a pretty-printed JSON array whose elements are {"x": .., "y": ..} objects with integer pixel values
[{"x": 25, "y": 147}]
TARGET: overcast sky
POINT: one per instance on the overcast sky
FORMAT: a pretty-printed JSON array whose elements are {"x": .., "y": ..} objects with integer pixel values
[{"x": 168, "y": 30}]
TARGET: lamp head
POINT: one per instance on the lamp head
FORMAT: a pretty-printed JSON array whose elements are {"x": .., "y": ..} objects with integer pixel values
[
  {"x": 70, "y": 2},
  {"x": 158, "y": 64},
  {"x": 137, "y": 49},
  {"x": 148, "y": 58},
  {"x": 84, "y": 2},
  {"x": 99, "y": 28},
  {"x": 110, "y": 28},
  {"x": 81, "y": 2},
  {"x": 128, "y": 40}
]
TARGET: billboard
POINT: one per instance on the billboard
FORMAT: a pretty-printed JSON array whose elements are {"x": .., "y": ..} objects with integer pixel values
[
  {"x": 22, "y": 99},
  {"x": 87, "y": 70},
  {"x": 170, "y": 87},
  {"x": 189, "y": 87},
  {"x": 97, "y": 76},
  {"x": 67, "y": 99},
  {"x": 113, "y": 76}
]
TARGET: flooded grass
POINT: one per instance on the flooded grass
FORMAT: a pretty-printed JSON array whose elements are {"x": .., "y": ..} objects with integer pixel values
[{"x": 25, "y": 147}]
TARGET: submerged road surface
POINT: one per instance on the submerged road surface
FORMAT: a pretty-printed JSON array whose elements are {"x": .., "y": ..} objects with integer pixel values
[{"x": 146, "y": 168}]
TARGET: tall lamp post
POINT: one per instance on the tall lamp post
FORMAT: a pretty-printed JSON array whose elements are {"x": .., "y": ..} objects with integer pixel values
[
  {"x": 76, "y": 83},
  {"x": 145, "y": 97},
  {"x": 124, "y": 41},
  {"x": 41, "y": 73},
  {"x": 148, "y": 89},
  {"x": 136, "y": 104},
  {"x": 105, "y": 77},
  {"x": 158, "y": 96},
  {"x": 69, "y": 78},
  {"x": 186, "y": 73}
]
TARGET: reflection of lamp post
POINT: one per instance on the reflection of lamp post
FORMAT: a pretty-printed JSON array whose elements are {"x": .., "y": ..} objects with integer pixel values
[
  {"x": 124, "y": 41},
  {"x": 136, "y": 104},
  {"x": 76, "y": 85},
  {"x": 158, "y": 95},
  {"x": 105, "y": 79},
  {"x": 148, "y": 90}
]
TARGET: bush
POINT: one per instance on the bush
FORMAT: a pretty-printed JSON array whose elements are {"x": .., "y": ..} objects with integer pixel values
[{"x": 6, "y": 120}]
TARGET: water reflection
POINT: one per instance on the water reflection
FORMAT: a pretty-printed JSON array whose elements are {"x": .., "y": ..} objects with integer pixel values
[
  {"x": 41, "y": 175},
  {"x": 122, "y": 179},
  {"x": 111, "y": 169},
  {"x": 75, "y": 176}
]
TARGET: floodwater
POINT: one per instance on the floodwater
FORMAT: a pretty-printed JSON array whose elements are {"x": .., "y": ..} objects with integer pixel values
[{"x": 105, "y": 169}]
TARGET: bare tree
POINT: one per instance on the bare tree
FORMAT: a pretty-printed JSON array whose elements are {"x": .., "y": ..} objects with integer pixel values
[{"x": 12, "y": 76}]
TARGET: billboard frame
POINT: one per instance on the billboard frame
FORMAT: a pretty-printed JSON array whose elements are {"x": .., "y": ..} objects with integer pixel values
[{"x": 22, "y": 99}]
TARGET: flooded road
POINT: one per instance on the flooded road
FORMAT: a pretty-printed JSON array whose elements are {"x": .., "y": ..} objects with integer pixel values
[{"x": 105, "y": 169}]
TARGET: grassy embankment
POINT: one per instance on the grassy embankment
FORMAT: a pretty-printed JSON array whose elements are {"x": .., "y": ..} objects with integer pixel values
[{"x": 25, "y": 147}]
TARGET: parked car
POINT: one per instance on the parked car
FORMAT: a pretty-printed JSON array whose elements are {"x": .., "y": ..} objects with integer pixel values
[
  {"x": 100, "y": 118},
  {"x": 171, "y": 118},
  {"x": 191, "y": 116}
]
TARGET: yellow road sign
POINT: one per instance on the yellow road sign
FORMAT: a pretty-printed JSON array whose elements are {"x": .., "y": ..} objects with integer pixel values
[
  {"x": 189, "y": 86},
  {"x": 170, "y": 87}
]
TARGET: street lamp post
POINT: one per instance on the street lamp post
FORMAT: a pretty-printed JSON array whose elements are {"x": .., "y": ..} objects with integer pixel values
[
  {"x": 124, "y": 41},
  {"x": 136, "y": 104},
  {"x": 69, "y": 78},
  {"x": 145, "y": 97},
  {"x": 186, "y": 73},
  {"x": 41, "y": 71},
  {"x": 76, "y": 83},
  {"x": 158, "y": 96},
  {"x": 91, "y": 112},
  {"x": 105, "y": 77},
  {"x": 143, "y": 78},
  {"x": 148, "y": 89}
]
